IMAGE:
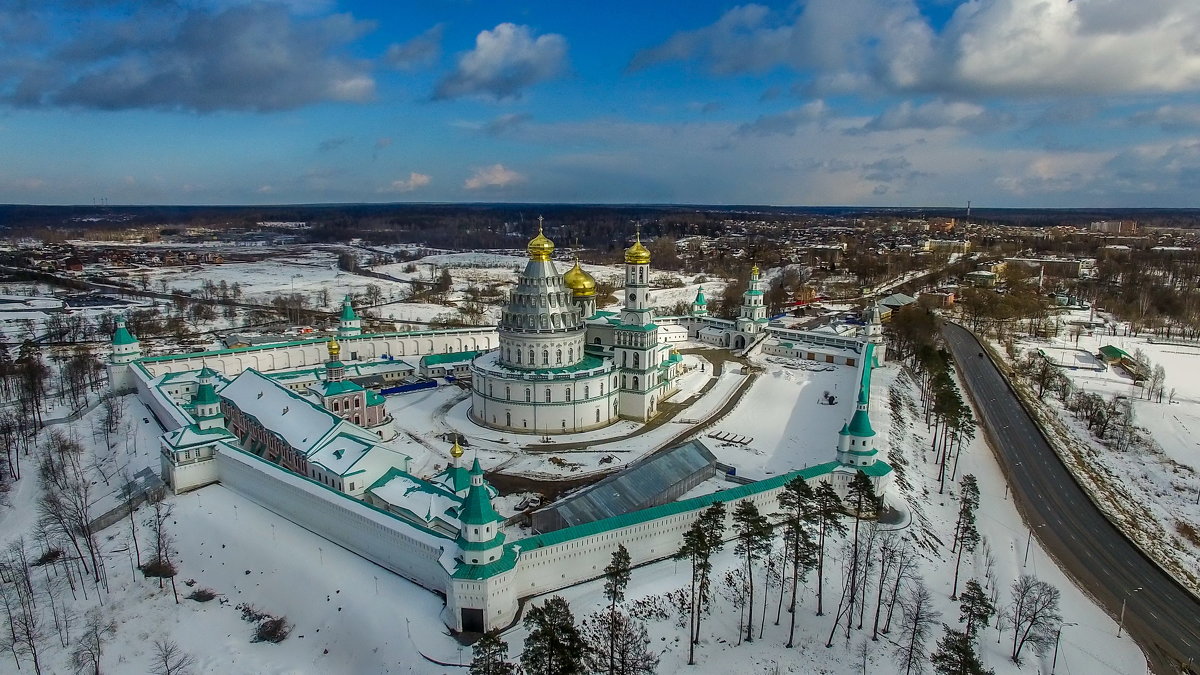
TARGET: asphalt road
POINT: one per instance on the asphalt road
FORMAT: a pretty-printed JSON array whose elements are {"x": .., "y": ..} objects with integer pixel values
[{"x": 1160, "y": 614}]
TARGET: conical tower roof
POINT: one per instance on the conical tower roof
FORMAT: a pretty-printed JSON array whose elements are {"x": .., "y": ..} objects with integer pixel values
[
  {"x": 122, "y": 336},
  {"x": 477, "y": 505},
  {"x": 700, "y": 299},
  {"x": 348, "y": 310}
]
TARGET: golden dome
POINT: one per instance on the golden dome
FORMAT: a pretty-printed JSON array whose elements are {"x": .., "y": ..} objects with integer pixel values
[
  {"x": 754, "y": 270},
  {"x": 334, "y": 349},
  {"x": 457, "y": 450},
  {"x": 540, "y": 247},
  {"x": 637, "y": 254},
  {"x": 581, "y": 283}
]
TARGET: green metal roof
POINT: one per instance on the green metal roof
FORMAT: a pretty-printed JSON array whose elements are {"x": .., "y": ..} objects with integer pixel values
[
  {"x": 122, "y": 336},
  {"x": 877, "y": 469},
  {"x": 860, "y": 423},
  {"x": 341, "y": 387},
  {"x": 506, "y": 561},
  {"x": 373, "y": 398},
  {"x": 477, "y": 505},
  {"x": 640, "y": 329},
  {"x": 348, "y": 310},
  {"x": 1112, "y": 352},
  {"x": 452, "y": 357},
  {"x": 205, "y": 394},
  {"x": 700, "y": 299},
  {"x": 754, "y": 292},
  {"x": 663, "y": 510}
]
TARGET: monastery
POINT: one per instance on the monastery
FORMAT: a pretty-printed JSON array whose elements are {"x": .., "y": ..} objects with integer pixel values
[{"x": 285, "y": 426}]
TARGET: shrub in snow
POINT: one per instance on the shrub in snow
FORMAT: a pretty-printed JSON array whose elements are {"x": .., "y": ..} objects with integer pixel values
[
  {"x": 273, "y": 629},
  {"x": 202, "y": 595}
]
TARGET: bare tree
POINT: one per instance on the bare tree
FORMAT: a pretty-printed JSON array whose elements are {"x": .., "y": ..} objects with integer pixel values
[
  {"x": 85, "y": 658},
  {"x": 160, "y": 564},
  {"x": 1034, "y": 614},
  {"x": 915, "y": 629},
  {"x": 169, "y": 659}
]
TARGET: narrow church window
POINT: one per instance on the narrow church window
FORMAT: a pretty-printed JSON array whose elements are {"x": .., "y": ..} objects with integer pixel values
[{"x": 558, "y": 357}]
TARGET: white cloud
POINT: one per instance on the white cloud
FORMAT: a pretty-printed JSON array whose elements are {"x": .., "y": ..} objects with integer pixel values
[
  {"x": 414, "y": 181},
  {"x": 506, "y": 60},
  {"x": 936, "y": 114},
  {"x": 494, "y": 176},
  {"x": 989, "y": 47}
]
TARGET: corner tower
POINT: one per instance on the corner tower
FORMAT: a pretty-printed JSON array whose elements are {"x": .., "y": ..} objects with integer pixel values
[
  {"x": 349, "y": 324},
  {"x": 125, "y": 350},
  {"x": 479, "y": 536}
]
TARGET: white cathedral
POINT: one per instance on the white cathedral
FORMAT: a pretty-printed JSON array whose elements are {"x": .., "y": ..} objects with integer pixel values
[{"x": 564, "y": 367}]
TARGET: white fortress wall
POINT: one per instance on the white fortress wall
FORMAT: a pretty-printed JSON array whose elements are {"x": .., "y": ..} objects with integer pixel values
[
  {"x": 312, "y": 353},
  {"x": 373, "y": 534},
  {"x": 657, "y": 534},
  {"x": 165, "y": 411}
]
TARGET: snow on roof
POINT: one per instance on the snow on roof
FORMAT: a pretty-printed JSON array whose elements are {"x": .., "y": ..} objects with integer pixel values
[
  {"x": 299, "y": 422},
  {"x": 192, "y": 435},
  {"x": 340, "y": 453},
  {"x": 422, "y": 499}
]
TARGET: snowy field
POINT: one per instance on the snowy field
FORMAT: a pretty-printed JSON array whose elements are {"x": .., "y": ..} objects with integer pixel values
[{"x": 1154, "y": 485}]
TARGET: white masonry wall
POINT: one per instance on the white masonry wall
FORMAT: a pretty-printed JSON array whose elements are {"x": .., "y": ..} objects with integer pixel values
[
  {"x": 550, "y": 568},
  {"x": 267, "y": 358},
  {"x": 379, "y": 537}
]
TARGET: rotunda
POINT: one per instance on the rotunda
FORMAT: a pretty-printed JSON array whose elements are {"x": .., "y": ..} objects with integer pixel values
[{"x": 540, "y": 380}]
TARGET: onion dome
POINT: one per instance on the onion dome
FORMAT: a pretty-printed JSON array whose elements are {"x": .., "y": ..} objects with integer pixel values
[
  {"x": 637, "y": 254},
  {"x": 754, "y": 270},
  {"x": 540, "y": 247},
  {"x": 334, "y": 349},
  {"x": 457, "y": 450},
  {"x": 582, "y": 284}
]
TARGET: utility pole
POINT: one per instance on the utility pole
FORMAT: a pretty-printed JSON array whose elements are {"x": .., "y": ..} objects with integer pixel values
[{"x": 1121, "y": 623}]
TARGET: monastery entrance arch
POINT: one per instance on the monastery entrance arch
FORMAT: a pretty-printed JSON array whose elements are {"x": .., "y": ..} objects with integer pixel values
[
  {"x": 739, "y": 342},
  {"x": 472, "y": 620}
]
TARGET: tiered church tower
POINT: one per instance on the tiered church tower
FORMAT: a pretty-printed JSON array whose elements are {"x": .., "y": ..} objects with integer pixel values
[
  {"x": 636, "y": 349},
  {"x": 753, "y": 316},
  {"x": 349, "y": 325}
]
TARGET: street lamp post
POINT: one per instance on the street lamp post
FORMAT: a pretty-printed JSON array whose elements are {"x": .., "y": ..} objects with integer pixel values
[
  {"x": 1121, "y": 623},
  {"x": 1057, "y": 637},
  {"x": 1028, "y": 542}
]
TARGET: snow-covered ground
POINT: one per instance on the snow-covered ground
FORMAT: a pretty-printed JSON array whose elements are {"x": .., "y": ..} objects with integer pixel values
[
  {"x": 351, "y": 616},
  {"x": 1154, "y": 485},
  {"x": 1088, "y": 644}
]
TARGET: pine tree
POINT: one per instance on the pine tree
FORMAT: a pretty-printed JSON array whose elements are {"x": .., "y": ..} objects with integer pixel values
[
  {"x": 554, "y": 645},
  {"x": 955, "y": 655},
  {"x": 616, "y": 579},
  {"x": 968, "y": 502},
  {"x": 699, "y": 541},
  {"x": 975, "y": 608},
  {"x": 861, "y": 495},
  {"x": 490, "y": 656},
  {"x": 968, "y": 539},
  {"x": 754, "y": 541},
  {"x": 827, "y": 515},
  {"x": 797, "y": 502}
]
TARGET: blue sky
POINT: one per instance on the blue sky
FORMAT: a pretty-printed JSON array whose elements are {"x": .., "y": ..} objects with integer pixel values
[{"x": 1051, "y": 103}]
